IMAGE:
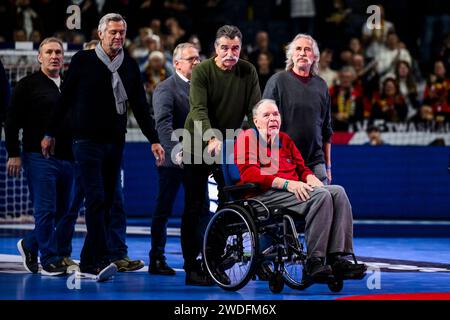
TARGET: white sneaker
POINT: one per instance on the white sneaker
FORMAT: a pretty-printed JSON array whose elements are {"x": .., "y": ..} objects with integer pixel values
[{"x": 105, "y": 274}]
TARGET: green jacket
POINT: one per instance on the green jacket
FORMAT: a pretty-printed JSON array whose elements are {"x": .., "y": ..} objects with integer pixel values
[{"x": 221, "y": 99}]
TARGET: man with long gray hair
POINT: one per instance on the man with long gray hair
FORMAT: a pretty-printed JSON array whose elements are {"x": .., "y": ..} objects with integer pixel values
[
  {"x": 304, "y": 103},
  {"x": 100, "y": 85}
]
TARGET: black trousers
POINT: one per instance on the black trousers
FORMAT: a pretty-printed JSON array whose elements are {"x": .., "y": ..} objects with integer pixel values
[
  {"x": 195, "y": 219},
  {"x": 99, "y": 166},
  {"x": 169, "y": 181}
]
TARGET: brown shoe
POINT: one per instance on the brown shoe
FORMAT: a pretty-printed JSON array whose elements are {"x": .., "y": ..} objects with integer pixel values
[{"x": 126, "y": 264}]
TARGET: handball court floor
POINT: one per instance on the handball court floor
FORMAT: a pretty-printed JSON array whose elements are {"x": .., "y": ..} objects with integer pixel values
[{"x": 400, "y": 267}]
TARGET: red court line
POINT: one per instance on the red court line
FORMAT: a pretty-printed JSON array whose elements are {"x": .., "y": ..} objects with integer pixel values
[{"x": 401, "y": 296}]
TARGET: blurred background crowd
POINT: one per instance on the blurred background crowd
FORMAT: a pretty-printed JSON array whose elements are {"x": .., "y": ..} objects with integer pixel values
[{"x": 396, "y": 73}]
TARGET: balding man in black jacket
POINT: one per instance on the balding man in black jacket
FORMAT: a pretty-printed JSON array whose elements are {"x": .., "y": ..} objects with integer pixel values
[
  {"x": 100, "y": 85},
  {"x": 49, "y": 180}
]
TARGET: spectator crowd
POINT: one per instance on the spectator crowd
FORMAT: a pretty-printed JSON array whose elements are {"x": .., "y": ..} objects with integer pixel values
[{"x": 397, "y": 72}]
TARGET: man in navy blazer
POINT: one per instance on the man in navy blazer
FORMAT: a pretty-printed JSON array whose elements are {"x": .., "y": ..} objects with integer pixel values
[{"x": 171, "y": 106}]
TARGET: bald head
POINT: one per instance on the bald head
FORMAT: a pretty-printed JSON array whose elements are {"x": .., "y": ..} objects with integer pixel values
[{"x": 266, "y": 117}]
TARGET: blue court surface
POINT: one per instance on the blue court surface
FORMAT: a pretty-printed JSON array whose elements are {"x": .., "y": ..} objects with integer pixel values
[{"x": 402, "y": 267}]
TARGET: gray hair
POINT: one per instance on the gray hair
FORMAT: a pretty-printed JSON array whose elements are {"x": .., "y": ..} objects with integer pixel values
[
  {"x": 259, "y": 103},
  {"x": 291, "y": 48},
  {"x": 51, "y": 39},
  {"x": 229, "y": 32},
  {"x": 179, "y": 49},
  {"x": 110, "y": 17},
  {"x": 90, "y": 45}
]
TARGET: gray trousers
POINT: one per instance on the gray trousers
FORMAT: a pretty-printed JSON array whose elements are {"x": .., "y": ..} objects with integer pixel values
[{"x": 328, "y": 216}]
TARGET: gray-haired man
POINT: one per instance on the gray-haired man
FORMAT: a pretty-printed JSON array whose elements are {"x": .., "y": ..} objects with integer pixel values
[
  {"x": 171, "y": 106},
  {"x": 288, "y": 183},
  {"x": 100, "y": 85},
  {"x": 223, "y": 90},
  {"x": 304, "y": 103}
]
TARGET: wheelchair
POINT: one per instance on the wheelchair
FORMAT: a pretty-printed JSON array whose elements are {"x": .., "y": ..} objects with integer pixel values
[{"x": 245, "y": 234}]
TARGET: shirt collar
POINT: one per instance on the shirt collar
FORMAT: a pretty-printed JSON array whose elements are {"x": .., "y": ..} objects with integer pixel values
[
  {"x": 265, "y": 143},
  {"x": 183, "y": 77}
]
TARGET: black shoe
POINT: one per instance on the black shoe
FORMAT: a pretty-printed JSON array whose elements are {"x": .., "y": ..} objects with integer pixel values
[
  {"x": 316, "y": 269},
  {"x": 344, "y": 269},
  {"x": 30, "y": 259},
  {"x": 222, "y": 277},
  {"x": 160, "y": 267},
  {"x": 198, "y": 278},
  {"x": 264, "y": 272}
]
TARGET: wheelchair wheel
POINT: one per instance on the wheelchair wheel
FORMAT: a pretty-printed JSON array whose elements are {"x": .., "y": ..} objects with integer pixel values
[
  {"x": 293, "y": 273},
  {"x": 230, "y": 247},
  {"x": 336, "y": 285},
  {"x": 294, "y": 264}
]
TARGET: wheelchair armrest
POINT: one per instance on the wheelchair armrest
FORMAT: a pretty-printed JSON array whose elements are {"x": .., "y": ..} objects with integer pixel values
[{"x": 240, "y": 187}]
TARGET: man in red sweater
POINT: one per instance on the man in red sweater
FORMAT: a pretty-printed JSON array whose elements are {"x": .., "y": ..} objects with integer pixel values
[{"x": 270, "y": 158}]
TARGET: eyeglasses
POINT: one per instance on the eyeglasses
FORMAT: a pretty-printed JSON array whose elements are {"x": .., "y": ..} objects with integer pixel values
[{"x": 191, "y": 59}]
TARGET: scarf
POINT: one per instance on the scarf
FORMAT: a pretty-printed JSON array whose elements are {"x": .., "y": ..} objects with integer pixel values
[{"x": 120, "y": 95}]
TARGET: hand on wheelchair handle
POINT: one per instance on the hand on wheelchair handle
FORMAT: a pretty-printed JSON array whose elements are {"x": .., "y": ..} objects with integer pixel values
[
  {"x": 214, "y": 147},
  {"x": 48, "y": 146},
  {"x": 179, "y": 159}
]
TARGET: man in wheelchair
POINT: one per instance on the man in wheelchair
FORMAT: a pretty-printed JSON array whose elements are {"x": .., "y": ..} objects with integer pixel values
[{"x": 270, "y": 159}]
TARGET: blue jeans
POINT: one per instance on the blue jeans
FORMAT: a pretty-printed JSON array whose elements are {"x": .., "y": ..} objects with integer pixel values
[
  {"x": 117, "y": 235},
  {"x": 99, "y": 166},
  {"x": 78, "y": 192},
  {"x": 50, "y": 183}
]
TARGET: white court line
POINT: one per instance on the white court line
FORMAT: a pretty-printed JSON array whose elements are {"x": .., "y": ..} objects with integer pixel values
[
  {"x": 404, "y": 222},
  {"x": 139, "y": 230},
  {"x": 11, "y": 258},
  {"x": 136, "y": 230}
]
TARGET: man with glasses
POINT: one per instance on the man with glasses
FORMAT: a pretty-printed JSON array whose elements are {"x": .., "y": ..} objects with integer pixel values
[
  {"x": 171, "y": 106},
  {"x": 223, "y": 91}
]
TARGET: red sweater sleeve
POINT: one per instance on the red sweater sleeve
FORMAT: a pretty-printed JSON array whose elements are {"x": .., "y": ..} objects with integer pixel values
[{"x": 246, "y": 157}]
